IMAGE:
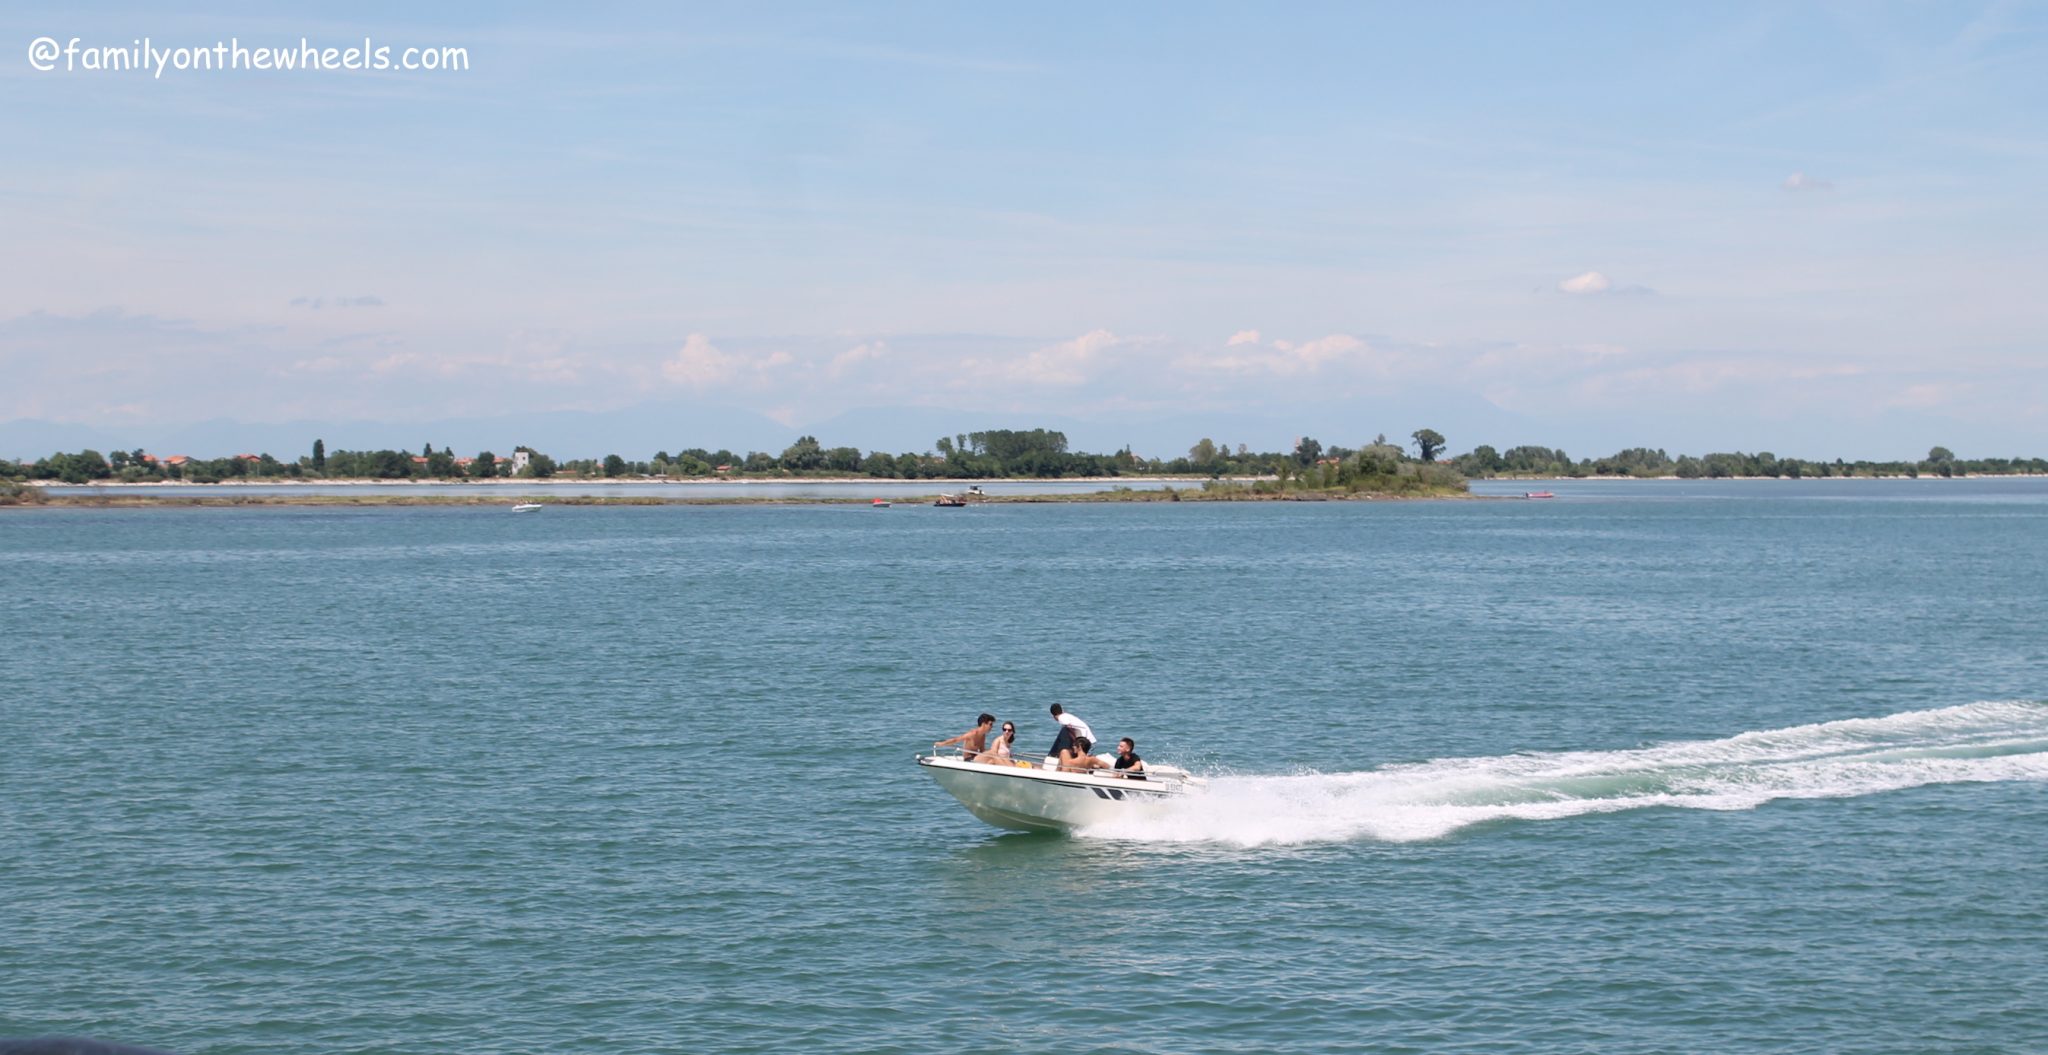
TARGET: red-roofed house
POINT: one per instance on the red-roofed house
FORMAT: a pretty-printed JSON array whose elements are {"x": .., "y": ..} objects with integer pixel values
[{"x": 176, "y": 459}]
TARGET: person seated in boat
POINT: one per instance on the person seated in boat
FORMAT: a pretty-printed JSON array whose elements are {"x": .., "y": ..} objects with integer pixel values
[
  {"x": 1128, "y": 764},
  {"x": 1070, "y": 728},
  {"x": 972, "y": 742},
  {"x": 998, "y": 753},
  {"x": 1077, "y": 759}
]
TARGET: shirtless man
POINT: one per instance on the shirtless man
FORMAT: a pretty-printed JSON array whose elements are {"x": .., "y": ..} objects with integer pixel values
[
  {"x": 998, "y": 753},
  {"x": 973, "y": 741},
  {"x": 1077, "y": 759}
]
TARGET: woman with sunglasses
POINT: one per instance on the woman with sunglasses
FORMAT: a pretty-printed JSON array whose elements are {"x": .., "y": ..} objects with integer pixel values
[{"x": 998, "y": 753}]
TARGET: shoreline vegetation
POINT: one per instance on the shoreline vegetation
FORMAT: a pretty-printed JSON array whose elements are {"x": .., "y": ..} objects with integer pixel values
[
  {"x": 1310, "y": 471},
  {"x": 1206, "y": 491}
]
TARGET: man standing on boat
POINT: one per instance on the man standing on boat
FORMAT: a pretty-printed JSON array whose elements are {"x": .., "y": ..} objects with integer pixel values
[{"x": 1070, "y": 728}]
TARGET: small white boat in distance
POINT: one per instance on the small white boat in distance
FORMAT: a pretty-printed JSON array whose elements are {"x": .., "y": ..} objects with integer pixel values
[
  {"x": 1026, "y": 798},
  {"x": 526, "y": 507}
]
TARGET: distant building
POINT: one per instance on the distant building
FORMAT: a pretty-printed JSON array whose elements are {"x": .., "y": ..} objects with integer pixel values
[
  {"x": 177, "y": 459},
  {"x": 520, "y": 460}
]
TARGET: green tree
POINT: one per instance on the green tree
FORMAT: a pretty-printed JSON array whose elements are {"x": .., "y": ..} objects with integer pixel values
[
  {"x": 485, "y": 466},
  {"x": 843, "y": 459},
  {"x": 1307, "y": 450},
  {"x": 803, "y": 455},
  {"x": 1427, "y": 443},
  {"x": 319, "y": 456},
  {"x": 1203, "y": 452},
  {"x": 614, "y": 465}
]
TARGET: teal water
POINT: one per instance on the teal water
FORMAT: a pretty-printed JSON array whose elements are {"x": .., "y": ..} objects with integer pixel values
[{"x": 1737, "y": 767}]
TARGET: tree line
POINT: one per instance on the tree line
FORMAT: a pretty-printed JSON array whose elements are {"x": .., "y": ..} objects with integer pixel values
[
  {"x": 998, "y": 453},
  {"x": 1643, "y": 462}
]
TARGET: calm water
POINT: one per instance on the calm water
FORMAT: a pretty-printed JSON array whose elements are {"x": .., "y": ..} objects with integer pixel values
[{"x": 1489, "y": 776}]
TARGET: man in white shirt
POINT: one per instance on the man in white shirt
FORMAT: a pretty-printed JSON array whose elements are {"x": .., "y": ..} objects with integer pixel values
[{"x": 1071, "y": 727}]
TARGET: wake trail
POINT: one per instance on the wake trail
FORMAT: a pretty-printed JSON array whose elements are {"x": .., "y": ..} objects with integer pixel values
[{"x": 1970, "y": 743}]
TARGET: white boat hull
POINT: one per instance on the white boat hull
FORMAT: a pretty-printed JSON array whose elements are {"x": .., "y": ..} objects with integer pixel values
[{"x": 1041, "y": 800}]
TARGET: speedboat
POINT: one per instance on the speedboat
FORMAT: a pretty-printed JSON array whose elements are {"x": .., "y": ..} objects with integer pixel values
[
  {"x": 1025, "y": 797},
  {"x": 951, "y": 502},
  {"x": 526, "y": 507},
  {"x": 1538, "y": 494}
]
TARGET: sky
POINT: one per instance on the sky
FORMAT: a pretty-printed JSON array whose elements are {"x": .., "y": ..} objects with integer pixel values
[{"x": 1816, "y": 229}]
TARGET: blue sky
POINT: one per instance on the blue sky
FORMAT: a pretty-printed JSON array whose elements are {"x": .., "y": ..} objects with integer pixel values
[{"x": 1815, "y": 229}]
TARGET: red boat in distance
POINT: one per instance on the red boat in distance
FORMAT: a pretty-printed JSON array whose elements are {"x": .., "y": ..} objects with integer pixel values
[{"x": 1537, "y": 494}]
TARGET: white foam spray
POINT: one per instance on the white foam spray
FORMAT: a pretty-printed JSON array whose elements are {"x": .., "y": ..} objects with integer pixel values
[{"x": 1977, "y": 742}]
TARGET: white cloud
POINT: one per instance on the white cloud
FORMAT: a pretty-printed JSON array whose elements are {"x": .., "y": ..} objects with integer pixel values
[
  {"x": 1800, "y": 181},
  {"x": 701, "y": 364},
  {"x": 1590, "y": 282},
  {"x": 1594, "y": 283},
  {"x": 698, "y": 363},
  {"x": 1242, "y": 337},
  {"x": 856, "y": 355},
  {"x": 1067, "y": 363},
  {"x": 1281, "y": 358}
]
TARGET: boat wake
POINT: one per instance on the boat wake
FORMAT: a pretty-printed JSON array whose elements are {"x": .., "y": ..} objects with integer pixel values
[{"x": 1977, "y": 742}]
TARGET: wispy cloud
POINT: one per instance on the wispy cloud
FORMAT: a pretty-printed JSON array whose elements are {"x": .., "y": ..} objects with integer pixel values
[
  {"x": 1245, "y": 354},
  {"x": 1589, "y": 282},
  {"x": 847, "y": 360},
  {"x": 1063, "y": 365},
  {"x": 1801, "y": 182},
  {"x": 317, "y": 303},
  {"x": 1593, "y": 283}
]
